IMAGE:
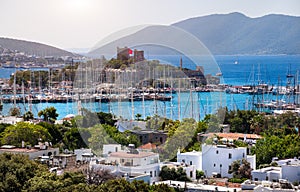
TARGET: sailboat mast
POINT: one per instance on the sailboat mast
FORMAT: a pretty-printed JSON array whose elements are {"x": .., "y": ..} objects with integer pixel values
[
  {"x": 15, "y": 103},
  {"x": 179, "y": 93}
]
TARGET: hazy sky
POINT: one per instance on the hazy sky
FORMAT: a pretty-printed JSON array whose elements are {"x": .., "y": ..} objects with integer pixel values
[{"x": 82, "y": 23}]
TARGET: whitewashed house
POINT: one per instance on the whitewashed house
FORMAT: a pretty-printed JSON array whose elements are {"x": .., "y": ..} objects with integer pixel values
[
  {"x": 289, "y": 169},
  {"x": 267, "y": 174},
  {"x": 190, "y": 170},
  {"x": 82, "y": 153},
  {"x": 190, "y": 158},
  {"x": 134, "y": 161},
  {"x": 216, "y": 159}
]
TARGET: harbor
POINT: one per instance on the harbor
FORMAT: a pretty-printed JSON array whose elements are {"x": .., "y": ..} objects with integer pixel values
[{"x": 164, "y": 95}]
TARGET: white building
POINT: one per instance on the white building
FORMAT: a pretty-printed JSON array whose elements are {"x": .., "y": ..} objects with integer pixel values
[
  {"x": 190, "y": 158},
  {"x": 134, "y": 161},
  {"x": 289, "y": 170},
  {"x": 31, "y": 152},
  {"x": 10, "y": 120},
  {"x": 82, "y": 153},
  {"x": 267, "y": 174},
  {"x": 109, "y": 148},
  {"x": 281, "y": 186},
  {"x": 190, "y": 170},
  {"x": 216, "y": 159}
]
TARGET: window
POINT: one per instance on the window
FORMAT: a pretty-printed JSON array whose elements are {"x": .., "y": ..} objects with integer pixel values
[
  {"x": 243, "y": 155},
  {"x": 217, "y": 152},
  {"x": 116, "y": 149},
  {"x": 154, "y": 173},
  {"x": 229, "y": 156},
  {"x": 150, "y": 173},
  {"x": 229, "y": 167},
  {"x": 122, "y": 160},
  {"x": 191, "y": 162},
  {"x": 214, "y": 164},
  {"x": 191, "y": 174},
  {"x": 255, "y": 179}
]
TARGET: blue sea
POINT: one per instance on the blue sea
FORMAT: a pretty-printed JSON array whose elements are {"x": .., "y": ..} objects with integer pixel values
[{"x": 236, "y": 70}]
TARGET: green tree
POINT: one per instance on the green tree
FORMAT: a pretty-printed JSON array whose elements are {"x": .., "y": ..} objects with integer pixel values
[
  {"x": 3, "y": 127},
  {"x": 16, "y": 170},
  {"x": 282, "y": 146},
  {"x": 138, "y": 116},
  {"x": 76, "y": 138},
  {"x": 181, "y": 138},
  {"x": 99, "y": 137},
  {"x": 236, "y": 125},
  {"x": 120, "y": 185},
  {"x": 14, "y": 111},
  {"x": 161, "y": 188},
  {"x": 54, "y": 130},
  {"x": 24, "y": 131},
  {"x": 199, "y": 174},
  {"x": 46, "y": 181},
  {"x": 257, "y": 123},
  {"x": 213, "y": 123},
  {"x": 49, "y": 114},
  {"x": 28, "y": 116},
  {"x": 178, "y": 174},
  {"x": 106, "y": 118},
  {"x": 240, "y": 169}
]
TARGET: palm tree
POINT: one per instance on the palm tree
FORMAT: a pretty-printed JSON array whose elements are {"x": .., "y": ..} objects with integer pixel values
[{"x": 49, "y": 114}]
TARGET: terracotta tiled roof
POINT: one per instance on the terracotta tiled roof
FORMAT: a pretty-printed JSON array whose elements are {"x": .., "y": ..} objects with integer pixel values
[
  {"x": 234, "y": 136},
  {"x": 148, "y": 146}
]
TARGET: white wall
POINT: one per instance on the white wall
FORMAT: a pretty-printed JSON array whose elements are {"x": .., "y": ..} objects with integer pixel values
[
  {"x": 38, "y": 153},
  {"x": 191, "y": 158},
  {"x": 135, "y": 161},
  {"x": 252, "y": 160},
  {"x": 218, "y": 158},
  {"x": 266, "y": 174},
  {"x": 79, "y": 152},
  {"x": 188, "y": 170},
  {"x": 110, "y": 148},
  {"x": 152, "y": 170},
  {"x": 291, "y": 172},
  {"x": 258, "y": 175}
]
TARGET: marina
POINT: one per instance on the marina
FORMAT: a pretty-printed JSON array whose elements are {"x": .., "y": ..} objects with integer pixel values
[{"x": 259, "y": 92}]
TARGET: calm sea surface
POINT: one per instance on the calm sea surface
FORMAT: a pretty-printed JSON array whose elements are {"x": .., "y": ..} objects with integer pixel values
[{"x": 236, "y": 70}]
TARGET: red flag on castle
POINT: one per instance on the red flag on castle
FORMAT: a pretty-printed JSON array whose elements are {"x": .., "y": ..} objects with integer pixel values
[{"x": 130, "y": 51}]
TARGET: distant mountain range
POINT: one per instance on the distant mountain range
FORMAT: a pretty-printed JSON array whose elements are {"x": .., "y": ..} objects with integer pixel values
[
  {"x": 33, "y": 48},
  {"x": 231, "y": 34},
  {"x": 237, "y": 34},
  {"x": 222, "y": 34}
]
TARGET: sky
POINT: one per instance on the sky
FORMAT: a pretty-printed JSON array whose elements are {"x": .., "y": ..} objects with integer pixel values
[{"x": 82, "y": 23}]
